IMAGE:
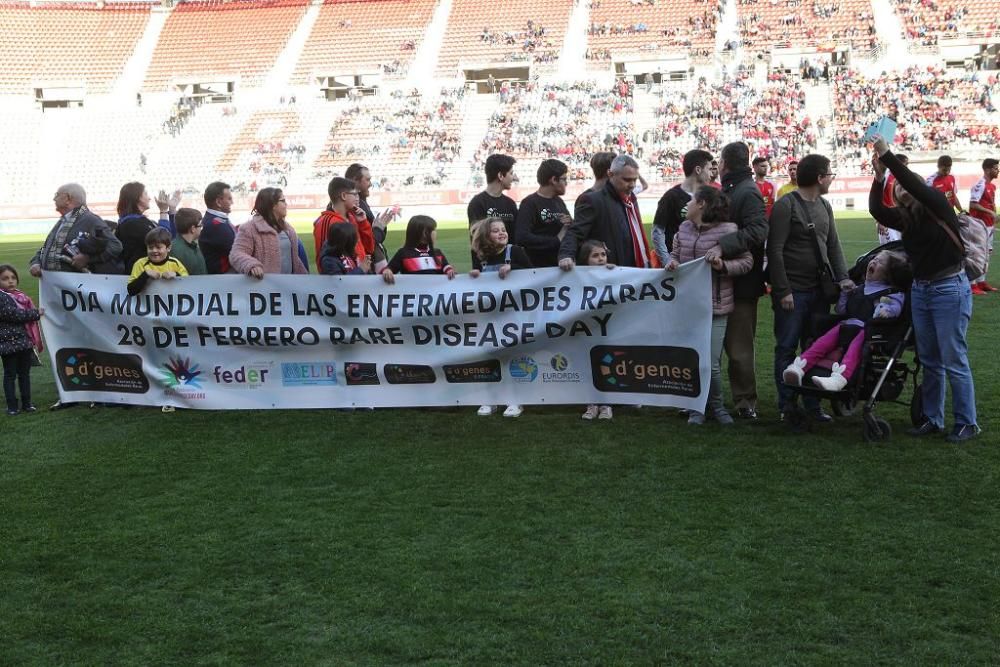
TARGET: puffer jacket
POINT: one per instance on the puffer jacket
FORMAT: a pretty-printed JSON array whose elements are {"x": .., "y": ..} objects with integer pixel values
[
  {"x": 13, "y": 334},
  {"x": 692, "y": 242},
  {"x": 256, "y": 244}
]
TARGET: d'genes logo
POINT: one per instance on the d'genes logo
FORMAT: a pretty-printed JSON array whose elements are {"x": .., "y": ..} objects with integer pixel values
[
  {"x": 523, "y": 369},
  {"x": 477, "y": 371},
  {"x": 646, "y": 369},
  {"x": 81, "y": 369}
]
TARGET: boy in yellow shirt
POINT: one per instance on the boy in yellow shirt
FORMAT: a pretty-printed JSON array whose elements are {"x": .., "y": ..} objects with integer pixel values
[{"x": 156, "y": 264}]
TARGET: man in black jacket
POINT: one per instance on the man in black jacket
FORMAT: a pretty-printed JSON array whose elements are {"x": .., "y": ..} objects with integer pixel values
[
  {"x": 746, "y": 209},
  {"x": 610, "y": 215},
  {"x": 80, "y": 241}
]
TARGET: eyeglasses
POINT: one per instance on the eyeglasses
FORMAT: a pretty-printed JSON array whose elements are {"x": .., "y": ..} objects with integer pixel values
[
  {"x": 831, "y": 174},
  {"x": 281, "y": 201},
  {"x": 354, "y": 192}
]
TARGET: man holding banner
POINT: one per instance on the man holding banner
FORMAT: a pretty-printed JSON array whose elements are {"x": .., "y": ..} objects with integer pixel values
[{"x": 610, "y": 215}]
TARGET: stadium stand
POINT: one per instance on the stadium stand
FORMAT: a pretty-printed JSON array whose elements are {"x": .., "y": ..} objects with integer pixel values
[
  {"x": 652, "y": 26},
  {"x": 935, "y": 110},
  {"x": 765, "y": 24},
  {"x": 926, "y": 22},
  {"x": 67, "y": 44},
  {"x": 234, "y": 40},
  {"x": 518, "y": 31},
  {"x": 364, "y": 37}
]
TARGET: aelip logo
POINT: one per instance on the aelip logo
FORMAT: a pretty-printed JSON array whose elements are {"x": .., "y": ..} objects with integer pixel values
[{"x": 81, "y": 369}]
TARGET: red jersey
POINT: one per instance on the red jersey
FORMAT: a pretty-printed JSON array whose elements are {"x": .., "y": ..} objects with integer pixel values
[
  {"x": 984, "y": 194},
  {"x": 767, "y": 191},
  {"x": 946, "y": 186}
]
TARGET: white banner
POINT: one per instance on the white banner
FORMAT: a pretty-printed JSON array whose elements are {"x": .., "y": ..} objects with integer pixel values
[{"x": 592, "y": 335}]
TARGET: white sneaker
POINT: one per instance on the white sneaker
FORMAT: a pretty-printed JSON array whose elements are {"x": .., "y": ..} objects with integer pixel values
[
  {"x": 605, "y": 412},
  {"x": 486, "y": 410},
  {"x": 513, "y": 411},
  {"x": 590, "y": 413},
  {"x": 793, "y": 374},
  {"x": 167, "y": 408},
  {"x": 835, "y": 382}
]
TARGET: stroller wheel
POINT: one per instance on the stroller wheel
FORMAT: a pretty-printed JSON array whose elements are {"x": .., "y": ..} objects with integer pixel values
[
  {"x": 843, "y": 408},
  {"x": 876, "y": 429},
  {"x": 917, "y": 406}
]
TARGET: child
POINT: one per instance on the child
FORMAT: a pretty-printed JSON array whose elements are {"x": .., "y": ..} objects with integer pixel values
[
  {"x": 418, "y": 255},
  {"x": 186, "y": 250},
  {"x": 18, "y": 335},
  {"x": 880, "y": 296},
  {"x": 492, "y": 254},
  {"x": 338, "y": 258},
  {"x": 156, "y": 264},
  {"x": 595, "y": 253},
  {"x": 698, "y": 237}
]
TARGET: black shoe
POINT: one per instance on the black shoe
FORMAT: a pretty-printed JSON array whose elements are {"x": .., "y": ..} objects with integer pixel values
[
  {"x": 821, "y": 417},
  {"x": 746, "y": 413},
  {"x": 963, "y": 433},
  {"x": 59, "y": 405},
  {"x": 927, "y": 428},
  {"x": 13, "y": 413},
  {"x": 29, "y": 409}
]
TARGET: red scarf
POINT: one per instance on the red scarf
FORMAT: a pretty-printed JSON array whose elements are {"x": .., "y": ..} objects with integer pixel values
[{"x": 640, "y": 246}]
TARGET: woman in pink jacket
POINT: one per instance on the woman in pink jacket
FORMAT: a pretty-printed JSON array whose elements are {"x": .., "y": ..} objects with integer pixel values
[
  {"x": 266, "y": 243},
  {"x": 698, "y": 237}
]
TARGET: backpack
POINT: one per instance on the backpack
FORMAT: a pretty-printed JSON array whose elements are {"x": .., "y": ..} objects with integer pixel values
[{"x": 974, "y": 244}]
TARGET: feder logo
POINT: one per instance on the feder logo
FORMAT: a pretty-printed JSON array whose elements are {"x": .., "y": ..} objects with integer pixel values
[
  {"x": 80, "y": 369},
  {"x": 409, "y": 374},
  {"x": 249, "y": 376},
  {"x": 646, "y": 369},
  {"x": 523, "y": 369}
]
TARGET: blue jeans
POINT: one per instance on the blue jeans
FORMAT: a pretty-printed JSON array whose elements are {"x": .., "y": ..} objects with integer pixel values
[
  {"x": 941, "y": 313},
  {"x": 791, "y": 331}
]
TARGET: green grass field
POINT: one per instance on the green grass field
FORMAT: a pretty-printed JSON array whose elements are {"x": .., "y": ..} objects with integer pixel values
[{"x": 437, "y": 537}]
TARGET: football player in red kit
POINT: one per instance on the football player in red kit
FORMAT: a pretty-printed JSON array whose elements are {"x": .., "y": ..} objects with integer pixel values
[
  {"x": 982, "y": 205},
  {"x": 766, "y": 187}
]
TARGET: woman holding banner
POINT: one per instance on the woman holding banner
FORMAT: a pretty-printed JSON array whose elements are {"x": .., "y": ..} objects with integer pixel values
[{"x": 267, "y": 243}]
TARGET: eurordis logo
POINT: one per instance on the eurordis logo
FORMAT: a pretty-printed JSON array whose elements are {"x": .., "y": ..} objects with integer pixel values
[
  {"x": 646, "y": 369},
  {"x": 308, "y": 374},
  {"x": 81, "y": 369},
  {"x": 246, "y": 376},
  {"x": 409, "y": 374},
  {"x": 560, "y": 369},
  {"x": 523, "y": 369},
  {"x": 361, "y": 374},
  {"x": 475, "y": 371}
]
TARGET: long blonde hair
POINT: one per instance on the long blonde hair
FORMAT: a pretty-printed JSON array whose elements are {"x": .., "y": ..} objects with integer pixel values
[{"x": 482, "y": 246}]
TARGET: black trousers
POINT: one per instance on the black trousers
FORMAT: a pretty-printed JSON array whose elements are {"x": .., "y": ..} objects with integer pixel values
[{"x": 17, "y": 365}]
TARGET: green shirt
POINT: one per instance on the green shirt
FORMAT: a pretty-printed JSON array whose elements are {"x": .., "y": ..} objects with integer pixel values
[{"x": 190, "y": 256}]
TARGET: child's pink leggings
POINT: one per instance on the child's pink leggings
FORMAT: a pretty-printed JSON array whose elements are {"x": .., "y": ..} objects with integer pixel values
[{"x": 829, "y": 342}]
